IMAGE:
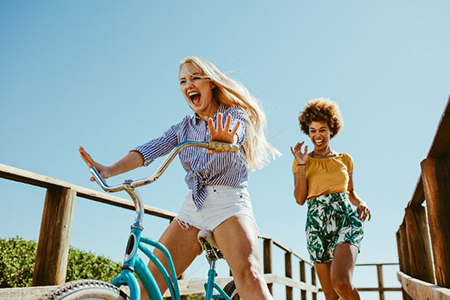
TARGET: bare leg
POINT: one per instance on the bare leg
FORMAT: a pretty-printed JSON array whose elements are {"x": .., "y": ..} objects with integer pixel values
[
  {"x": 344, "y": 260},
  {"x": 183, "y": 247},
  {"x": 237, "y": 238},
  {"x": 324, "y": 274}
]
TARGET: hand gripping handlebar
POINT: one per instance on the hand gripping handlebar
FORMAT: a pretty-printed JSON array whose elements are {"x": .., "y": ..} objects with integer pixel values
[{"x": 224, "y": 147}]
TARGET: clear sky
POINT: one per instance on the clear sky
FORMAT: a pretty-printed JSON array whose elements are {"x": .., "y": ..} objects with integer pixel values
[{"x": 104, "y": 75}]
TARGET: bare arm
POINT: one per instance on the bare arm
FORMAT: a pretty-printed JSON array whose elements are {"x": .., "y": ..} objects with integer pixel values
[
  {"x": 300, "y": 184},
  {"x": 301, "y": 188},
  {"x": 361, "y": 207},
  {"x": 129, "y": 162}
]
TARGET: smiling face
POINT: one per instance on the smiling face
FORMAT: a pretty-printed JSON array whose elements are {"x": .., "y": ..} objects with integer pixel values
[
  {"x": 320, "y": 134},
  {"x": 197, "y": 89}
]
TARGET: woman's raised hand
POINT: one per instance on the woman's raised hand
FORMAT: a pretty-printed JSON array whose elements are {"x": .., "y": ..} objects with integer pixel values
[
  {"x": 104, "y": 171},
  {"x": 300, "y": 156},
  {"x": 221, "y": 133}
]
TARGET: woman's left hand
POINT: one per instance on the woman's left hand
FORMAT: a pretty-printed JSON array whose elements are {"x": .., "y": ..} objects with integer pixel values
[
  {"x": 221, "y": 133},
  {"x": 363, "y": 212}
]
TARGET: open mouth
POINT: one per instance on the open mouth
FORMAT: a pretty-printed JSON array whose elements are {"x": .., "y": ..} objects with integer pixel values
[
  {"x": 195, "y": 97},
  {"x": 318, "y": 142}
]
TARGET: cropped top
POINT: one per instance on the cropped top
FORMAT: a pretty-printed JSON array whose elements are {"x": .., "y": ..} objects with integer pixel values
[{"x": 327, "y": 176}]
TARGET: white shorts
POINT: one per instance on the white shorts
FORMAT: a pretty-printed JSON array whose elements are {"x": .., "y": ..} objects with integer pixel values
[{"x": 221, "y": 203}]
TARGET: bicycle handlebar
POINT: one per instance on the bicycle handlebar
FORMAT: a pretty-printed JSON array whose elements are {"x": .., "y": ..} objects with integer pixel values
[
  {"x": 212, "y": 145},
  {"x": 130, "y": 185}
]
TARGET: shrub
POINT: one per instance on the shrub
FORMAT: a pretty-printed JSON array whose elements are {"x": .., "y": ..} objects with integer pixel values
[
  {"x": 17, "y": 258},
  {"x": 16, "y": 262}
]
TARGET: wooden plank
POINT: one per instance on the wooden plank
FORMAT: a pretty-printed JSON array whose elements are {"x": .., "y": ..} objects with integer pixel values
[
  {"x": 439, "y": 147},
  {"x": 26, "y": 293},
  {"x": 441, "y": 141},
  {"x": 120, "y": 202},
  {"x": 418, "y": 289},
  {"x": 267, "y": 258},
  {"x": 28, "y": 177},
  {"x": 286, "y": 249},
  {"x": 401, "y": 262},
  {"x": 375, "y": 289},
  {"x": 436, "y": 178},
  {"x": 419, "y": 249},
  {"x": 313, "y": 282},
  {"x": 288, "y": 274},
  {"x": 20, "y": 175},
  {"x": 54, "y": 237},
  {"x": 380, "y": 281},
  {"x": 418, "y": 196},
  {"x": 273, "y": 278},
  {"x": 376, "y": 264},
  {"x": 303, "y": 278},
  {"x": 404, "y": 248},
  {"x": 197, "y": 286}
]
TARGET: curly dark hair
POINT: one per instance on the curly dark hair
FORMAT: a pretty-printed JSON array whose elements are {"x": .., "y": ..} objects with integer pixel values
[{"x": 323, "y": 110}]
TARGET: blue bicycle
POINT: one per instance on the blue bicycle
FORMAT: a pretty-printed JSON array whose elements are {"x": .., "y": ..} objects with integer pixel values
[{"x": 133, "y": 264}]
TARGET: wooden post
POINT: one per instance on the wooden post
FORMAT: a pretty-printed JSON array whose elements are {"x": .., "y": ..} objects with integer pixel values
[
  {"x": 404, "y": 249},
  {"x": 419, "y": 243},
  {"x": 436, "y": 178},
  {"x": 399, "y": 252},
  {"x": 313, "y": 282},
  {"x": 288, "y": 273},
  {"x": 303, "y": 278},
  {"x": 401, "y": 262},
  {"x": 380, "y": 280},
  {"x": 54, "y": 237},
  {"x": 267, "y": 245}
]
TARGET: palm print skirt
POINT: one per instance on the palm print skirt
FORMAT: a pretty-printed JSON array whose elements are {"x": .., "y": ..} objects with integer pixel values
[{"x": 331, "y": 220}]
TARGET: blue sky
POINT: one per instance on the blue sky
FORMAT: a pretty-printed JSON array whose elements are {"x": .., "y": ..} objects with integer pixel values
[{"x": 103, "y": 74}]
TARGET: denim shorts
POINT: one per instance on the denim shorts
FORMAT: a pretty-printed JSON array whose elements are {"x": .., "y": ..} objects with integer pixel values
[
  {"x": 331, "y": 220},
  {"x": 222, "y": 202}
]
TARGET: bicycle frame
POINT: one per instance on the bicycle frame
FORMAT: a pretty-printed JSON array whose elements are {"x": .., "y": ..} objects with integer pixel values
[{"x": 132, "y": 263}]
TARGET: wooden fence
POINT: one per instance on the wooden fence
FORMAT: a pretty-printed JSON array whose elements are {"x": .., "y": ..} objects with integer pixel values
[
  {"x": 424, "y": 266},
  {"x": 54, "y": 240}
]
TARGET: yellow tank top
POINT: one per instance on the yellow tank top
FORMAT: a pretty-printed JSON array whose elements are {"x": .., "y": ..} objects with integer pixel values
[{"x": 327, "y": 176}]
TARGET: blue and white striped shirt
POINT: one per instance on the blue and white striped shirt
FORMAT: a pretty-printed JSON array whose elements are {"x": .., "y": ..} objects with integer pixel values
[{"x": 229, "y": 169}]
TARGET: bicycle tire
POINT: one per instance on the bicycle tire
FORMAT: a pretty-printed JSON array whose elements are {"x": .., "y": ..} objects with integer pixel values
[
  {"x": 87, "y": 289},
  {"x": 230, "y": 290}
]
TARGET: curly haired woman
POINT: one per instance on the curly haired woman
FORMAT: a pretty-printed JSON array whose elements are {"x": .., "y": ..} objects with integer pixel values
[{"x": 323, "y": 178}]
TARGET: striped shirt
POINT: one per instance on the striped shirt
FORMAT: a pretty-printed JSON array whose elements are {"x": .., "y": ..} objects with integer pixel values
[{"x": 229, "y": 169}]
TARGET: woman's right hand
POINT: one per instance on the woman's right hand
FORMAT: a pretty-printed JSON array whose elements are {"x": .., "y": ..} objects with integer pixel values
[
  {"x": 104, "y": 171},
  {"x": 300, "y": 156}
]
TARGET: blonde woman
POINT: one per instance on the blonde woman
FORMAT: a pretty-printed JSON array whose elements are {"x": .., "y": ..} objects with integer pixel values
[
  {"x": 324, "y": 179},
  {"x": 218, "y": 200}
]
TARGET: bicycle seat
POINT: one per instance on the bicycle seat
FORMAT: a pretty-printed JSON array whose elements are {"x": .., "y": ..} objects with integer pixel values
[{"x": 208, "y": 243}]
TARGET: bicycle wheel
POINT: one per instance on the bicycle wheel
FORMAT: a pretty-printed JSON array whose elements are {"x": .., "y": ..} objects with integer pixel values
[
  {"x": 230, "y": 290},
  {"x": 87, "y": 289}
]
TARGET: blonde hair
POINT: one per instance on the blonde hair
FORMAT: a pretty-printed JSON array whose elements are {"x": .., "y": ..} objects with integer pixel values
[
  {"x": 324, "y": 110},
  {"x": 230, "y": 92}
]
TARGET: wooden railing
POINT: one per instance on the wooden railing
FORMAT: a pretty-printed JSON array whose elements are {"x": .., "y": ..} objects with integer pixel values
[
  {"x": 54, "y": 239},
  {"x": 287, "y": 280},
  {"x": 381, "y": 289},
  {"x": 424, "y": 266}
]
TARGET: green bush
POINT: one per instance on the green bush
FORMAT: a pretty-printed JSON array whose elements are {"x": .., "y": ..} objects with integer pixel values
[
  {"x": 17, "y": 258},
  {"x": 16, "y": 262}
]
